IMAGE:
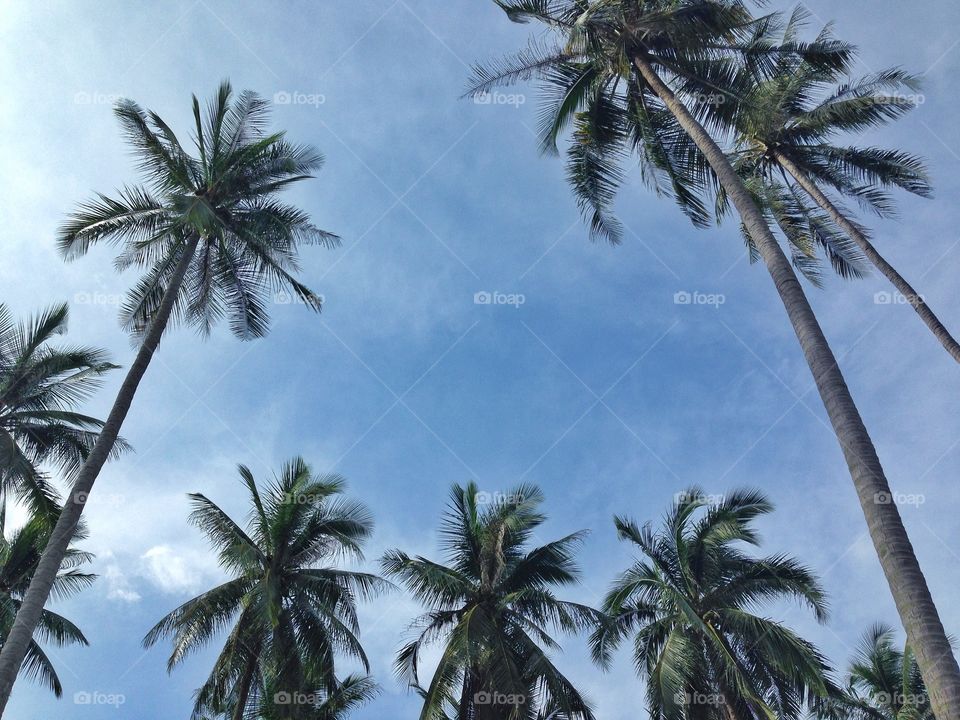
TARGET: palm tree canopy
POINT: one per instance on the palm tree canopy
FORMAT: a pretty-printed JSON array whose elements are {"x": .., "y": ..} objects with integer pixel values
[
  {"x": 801, "y": 109},
  {"x": 883, "y": 683},
  {"x": 286, "y": 609},
  {"x": 798, "y": 111},
  {"x": 592, "y": 85},
  {"x": 225, "y": 199},
  {"x": 40, "y": 388},
  {"x": 491, "y": 605},
  {"x": 688, "y": 604},
  {"x": 19, "y": 556}
]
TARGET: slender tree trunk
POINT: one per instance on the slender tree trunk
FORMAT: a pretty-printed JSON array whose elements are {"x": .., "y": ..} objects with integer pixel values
[
  {"x": 465, "y": 711},
  {"x": 899, "y": 282},
  {"x": 907, "y": 583},
  {"x": 15, "y": 646},
  {"x": 243, "y": 692}
]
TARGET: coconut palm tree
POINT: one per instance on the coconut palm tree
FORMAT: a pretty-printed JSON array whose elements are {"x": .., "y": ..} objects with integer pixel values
[
  {"x": 690, "y": 603},
  {"x": 618, "y": 71},
  {"x": 40, "y": 388},
  {"x": 883, "y": 683},
  {"x": 491, "y": 606},
  {"x": 19, "y": 555},
  {"x": 214, "y": 240},
  {"x": 786, "y": 127},
  {"x": 290, "y": 610}
]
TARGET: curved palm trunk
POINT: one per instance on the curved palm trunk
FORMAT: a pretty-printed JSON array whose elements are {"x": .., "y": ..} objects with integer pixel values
[
  {"x": 15, "y": 646},
  {"x": 907, "y": 583},
  {"x": 887, "y": 270}
]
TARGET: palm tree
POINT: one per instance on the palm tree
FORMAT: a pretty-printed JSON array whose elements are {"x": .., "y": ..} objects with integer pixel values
[
  {"x": 786, "y": 125},
  {"x": 491, "y": 605},
  {"x": 19, "y": 555},
  {"x": 40, "y": 389},
  {"x": 883, "y": 683},
  {"x": 292, "y": 610},
  {"x": 215, "y": 241},
  {"x": 610, "y": 76},
  {"x": 690, "y": 604}
]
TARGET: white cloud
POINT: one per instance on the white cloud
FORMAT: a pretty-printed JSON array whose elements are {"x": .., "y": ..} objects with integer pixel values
[
  {"x": 173, "y": 571},
  {"x": 117, "y": 582}
]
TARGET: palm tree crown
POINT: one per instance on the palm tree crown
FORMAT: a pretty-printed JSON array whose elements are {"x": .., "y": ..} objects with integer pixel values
[
  {"x": 220, "y": 208},
  {"x": 19, "y": 555},
  {"x": 800, "y": 109},
  {"x": 883, "y": 683},
  {"x": 40, "y": 388},
  {"x": 688, "y": 603},
  {"x": 591, "y": 83},
  {"x": 491, "y": 605},
  {"x": 288, "y": 608},
  {"x": 791, "y": 118}
]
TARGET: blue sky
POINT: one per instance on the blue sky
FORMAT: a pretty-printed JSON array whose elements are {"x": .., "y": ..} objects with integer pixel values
[{"x": 598, "y": 387}]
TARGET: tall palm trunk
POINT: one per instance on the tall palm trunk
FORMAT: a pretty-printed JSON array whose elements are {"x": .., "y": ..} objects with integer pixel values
[
  {"x": 467, "y": 701},
  {"x": 15, "y": 646},
  {"x": 243, "y": 690},
  {"x": 903, "y": 287},
  {"x": 907, "y": 583}
]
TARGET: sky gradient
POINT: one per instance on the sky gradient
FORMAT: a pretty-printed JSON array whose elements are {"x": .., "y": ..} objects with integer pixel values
[{"x": 593, "y": 382}]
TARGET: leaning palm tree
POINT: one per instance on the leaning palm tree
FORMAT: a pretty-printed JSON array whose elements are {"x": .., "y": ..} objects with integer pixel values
[
  {"x": 41, "y": 387},
  {"x": 690, "y": 604},
  {"x": 288, "y": 607},
  {"x": 883, "y": 683},
  {"x": 491, "y": 605},
  {"x": 617, "y": 71},
  {"x": 19, "y": 555},
  {"x": 786, "y": 127},
  {"x": 215, "y": 241}
]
